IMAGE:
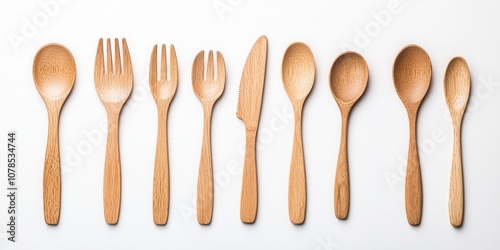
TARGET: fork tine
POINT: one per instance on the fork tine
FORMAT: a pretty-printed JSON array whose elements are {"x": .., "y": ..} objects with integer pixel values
[
  {"x": 99, "y": 61},
  {"x": 127, "y": 63},
  {"x": 109, "y": 65},
  {"x": 163, "y": 72},
  {"x": 173, "y": 64},
  {"x": 198, "y": 66},
  {"x": 221, "y": 68},
  {"x": 210, "y": 66},
  {"x": 118, "y": 61},
  {"x": 153, "y": 71}
]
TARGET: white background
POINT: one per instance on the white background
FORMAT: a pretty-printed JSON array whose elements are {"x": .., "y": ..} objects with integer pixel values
[{"x": 378, "y": 130}]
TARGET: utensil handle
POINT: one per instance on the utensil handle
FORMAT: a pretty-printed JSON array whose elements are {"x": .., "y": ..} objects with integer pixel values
[
  {"x": 205, "y": 192},
  {"x": 413, "y": 187},
  {"x": 249, "y": 192},
  {"x": 161, "y": 179},
  {"x": 456, "y": 202},
  {"x": 112, "y": 172},
  {"x": 297, "y": 182},
  {"x": 342, "y": 192},
  {"x": 52, "y": 172}
]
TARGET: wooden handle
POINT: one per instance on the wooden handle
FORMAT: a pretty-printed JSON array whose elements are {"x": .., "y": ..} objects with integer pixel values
[
  {"x": 205, "y": 180},
  {"x": 456, "y": 202},
  {"x": 52, "y": 172},
  {"x": 161, "y": 179},
  {"x": 297, "y": 182},
  {"x": 341, "y": 192},
  {"x": 249, "y": 193},
  {"x": 112, "y": 174},
  {"x": 413, "y": 178}
]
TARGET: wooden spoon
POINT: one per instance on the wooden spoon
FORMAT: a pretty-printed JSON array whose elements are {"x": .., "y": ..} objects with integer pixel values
[
  {"x": 457, "y": 90},
  {"x": 348, "y": 80},
  {"x": 54, "y": 73},
  {"x": 412, "y": 77},
  {"x": 298, "y": 73},
  {"x": 208, "y": 89}
]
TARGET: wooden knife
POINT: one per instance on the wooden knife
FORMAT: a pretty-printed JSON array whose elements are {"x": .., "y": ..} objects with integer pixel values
[{"x": 249, "y": 104}]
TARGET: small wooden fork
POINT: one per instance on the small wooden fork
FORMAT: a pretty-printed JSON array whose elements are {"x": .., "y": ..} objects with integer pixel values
[
  {"x": 113, "y": 85},
  {"x": 163, "y": 91},
  {"x": 208, "y": 90}
]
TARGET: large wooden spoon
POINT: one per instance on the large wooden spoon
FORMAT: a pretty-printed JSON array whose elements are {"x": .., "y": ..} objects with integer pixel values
[
  {"x": 412, "y": 77},
  {"x": 457, "y": 90},
  {"x": 54, "y": 73},
  {"x": 298, "y": 73},
  {"x": 348, "y": 80}
]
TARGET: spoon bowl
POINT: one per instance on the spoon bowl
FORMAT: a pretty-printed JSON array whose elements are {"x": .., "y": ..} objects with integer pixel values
[
  {"x": 457, "y": 84},
  {"x": 412, "y": 74},
  {"x": 348, "y": 77},
  {"x": 54, "y": 73},
  {"x": 298, "y": 71},
  {"x": 348, "y": 80}
]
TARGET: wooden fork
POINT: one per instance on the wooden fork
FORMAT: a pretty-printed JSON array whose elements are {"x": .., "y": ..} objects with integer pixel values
[
  {"x": 163, "y": 91},
  {"x": 113, "y": 85},
  {"x": 208, "y": 90}
]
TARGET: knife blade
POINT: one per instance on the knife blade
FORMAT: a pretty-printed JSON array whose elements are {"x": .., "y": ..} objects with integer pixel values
[{"x": 249, "y": 106}]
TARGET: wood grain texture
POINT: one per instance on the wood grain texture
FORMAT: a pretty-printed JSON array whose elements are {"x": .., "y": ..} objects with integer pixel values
[
  {"x": 412, "y": 76},
  {"x": 457, "y": 90},
  {"x": 298, "y": 73},
  {"x": 456, "y": 199},
  {"x": 252, "y": 85},
  {"x": 341, "y": 193},
  {"x": 413, "y": 184},
  {"x": 52, "y": 170},
  {"x": 249, "y": 107},
  {"x": 348, "y": 81},
  {"x": 113, "y": 83},
  {"x": 208, "y": 89},
  {"x": 205, "y": 198},
  {"x": 163, "y": 90},
  {"x": 112, "y": 171},
  {"x": 297, "y": 196},
  {"x": 249, "y": 191},
  {"x": 54, "y": 73}
]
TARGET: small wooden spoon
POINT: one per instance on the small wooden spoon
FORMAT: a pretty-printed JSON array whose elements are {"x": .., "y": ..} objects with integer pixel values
[
  {"x": 348, "y": 80},
  {"x": 412, "y": 77},
  {"x": 457, "y": 90},
  {"x": 298, "y": 73},
  {"x": 54, "y": 73}
]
